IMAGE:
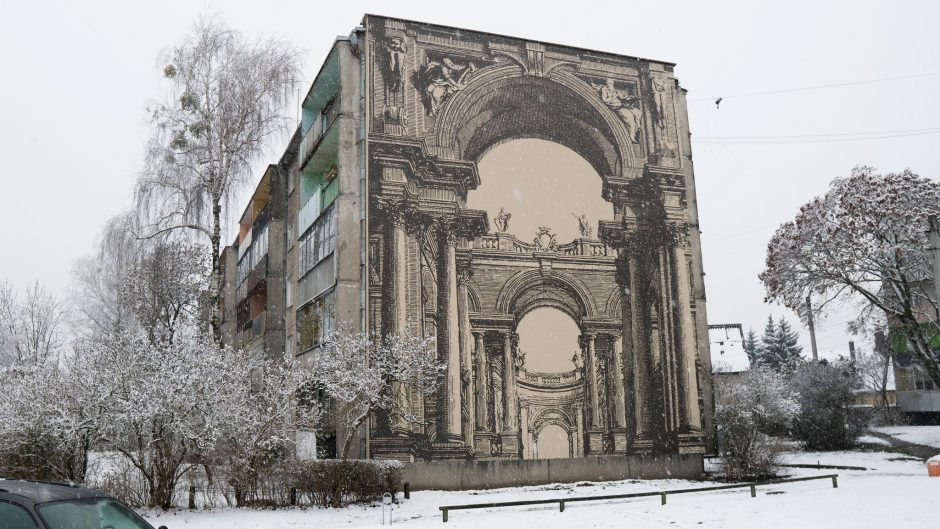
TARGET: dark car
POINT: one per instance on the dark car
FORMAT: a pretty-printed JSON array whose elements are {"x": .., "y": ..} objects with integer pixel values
[{"x": 45, "y": 505}]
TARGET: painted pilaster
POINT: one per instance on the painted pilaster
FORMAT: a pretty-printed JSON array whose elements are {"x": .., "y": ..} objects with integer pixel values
[
  {"x": 616, "y": 379},
  {"x": 510, "y": 402},
  {"x": 448, "y": 334},
  {"x": 692, "y": 420},
  {"x": 481, "y": 382},
  {"x": 466, "y": 352}
]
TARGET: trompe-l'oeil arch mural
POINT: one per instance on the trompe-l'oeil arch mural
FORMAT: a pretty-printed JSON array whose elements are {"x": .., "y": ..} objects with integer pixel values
[{"x": 439, "y": 99}]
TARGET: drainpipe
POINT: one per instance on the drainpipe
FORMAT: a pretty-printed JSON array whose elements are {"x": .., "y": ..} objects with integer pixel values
[{"x": 358, "y": 40}]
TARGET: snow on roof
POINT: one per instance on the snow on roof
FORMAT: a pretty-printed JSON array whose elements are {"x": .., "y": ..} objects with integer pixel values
[{"x": 726, "y": 343}]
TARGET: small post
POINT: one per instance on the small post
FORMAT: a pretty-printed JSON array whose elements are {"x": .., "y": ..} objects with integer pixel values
[
  {"x": 753, "y": 490},
  {"x": 561, "y": 505},
  {"x": 663, "y": 498},
  {"x": 192, "y": 497},
  {"x": 444, "y": 513},
  {"x": 835, "y": 481},
  {"x": 293, "y": 496},
  {"x": 406, "y": 486}
]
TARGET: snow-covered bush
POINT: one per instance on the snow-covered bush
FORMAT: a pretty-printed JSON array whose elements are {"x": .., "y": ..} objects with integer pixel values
[
  {"x": 828, "y": 418},
  {"x": 336, "y": 482},
  {"x": 256, "y": 446},
  {"x": 748, "y": 407},
  {"x": 363, "y": 377},
  {"x": 50, "y": 418}
]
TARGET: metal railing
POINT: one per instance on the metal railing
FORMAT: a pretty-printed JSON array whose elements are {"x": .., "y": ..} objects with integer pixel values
[{"x": 445, "y": 509}]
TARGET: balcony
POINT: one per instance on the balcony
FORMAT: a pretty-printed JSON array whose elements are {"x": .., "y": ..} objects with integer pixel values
[
  {"x": 309, "y": 212},
  {"x": 257, "y": 327}
]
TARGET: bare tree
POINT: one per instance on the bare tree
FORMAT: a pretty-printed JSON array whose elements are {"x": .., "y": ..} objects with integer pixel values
[
  {"x": 31, "y": 326},
  {"x": 874, "y": 368},
  {"x": 99, "y": 280},
  {"x": 863, "y": 242},
  {"x": 224, "y": 102},
  {"x": 360, "y": 376},
  {"x": 165, "y": 286}
]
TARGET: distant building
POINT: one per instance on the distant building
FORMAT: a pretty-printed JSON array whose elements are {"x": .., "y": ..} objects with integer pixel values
[
  {"x": 726, "y": 343},
  {"x": 917, "y": 395}
]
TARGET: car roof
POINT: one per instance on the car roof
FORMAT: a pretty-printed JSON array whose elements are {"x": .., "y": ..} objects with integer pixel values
[{"x": 45, "y": 491}]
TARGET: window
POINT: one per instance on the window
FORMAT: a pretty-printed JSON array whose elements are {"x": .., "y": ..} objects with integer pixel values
[
  {"x": 328, "y": 116},
  {"x": 318, "y": 242},
  {"x": 91, "y": 513},
  {"x": 259, "y": 247},
  {"x": 314, "y": 320},
  {"x": 244, "y": 267},
  {"x": 15, "y": 517}
]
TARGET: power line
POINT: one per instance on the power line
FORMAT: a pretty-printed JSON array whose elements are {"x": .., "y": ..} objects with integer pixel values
[
  {"x": 818, "y": 140},
  {"x": 824, "y": 135},
  {"x": 816, "y": 87}
]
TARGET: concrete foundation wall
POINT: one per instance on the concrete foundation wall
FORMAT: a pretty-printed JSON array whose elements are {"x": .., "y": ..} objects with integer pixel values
[{"x": 468, "y": 475}]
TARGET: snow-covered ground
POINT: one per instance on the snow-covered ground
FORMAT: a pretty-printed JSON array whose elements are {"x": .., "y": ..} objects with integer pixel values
[
  {"x": 894, "y": 492},
  {"x": 872, "y": 440},
  {"x": 922, "y": 435}
]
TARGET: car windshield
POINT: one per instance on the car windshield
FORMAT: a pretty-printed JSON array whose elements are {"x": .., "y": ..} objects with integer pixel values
[{"x": 92, "y": 513}]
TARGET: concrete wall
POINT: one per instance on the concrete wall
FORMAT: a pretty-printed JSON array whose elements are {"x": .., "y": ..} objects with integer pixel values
[{"x": 466, "y": 475}]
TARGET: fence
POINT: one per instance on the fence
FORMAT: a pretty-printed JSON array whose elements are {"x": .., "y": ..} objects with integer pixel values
[{"x": 445, "y": 509}]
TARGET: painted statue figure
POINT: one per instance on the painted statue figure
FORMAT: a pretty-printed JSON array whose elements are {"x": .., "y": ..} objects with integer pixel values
[
  {"x": 442, "y": 80},
  {"x": 625, "y": 105}
]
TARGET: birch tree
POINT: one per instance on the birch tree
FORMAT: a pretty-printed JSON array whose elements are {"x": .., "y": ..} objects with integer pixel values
[
  {"x": 360, "y": 376},
  {"x": 224, "y": 103},
  {"x": 864, "y": 244}
]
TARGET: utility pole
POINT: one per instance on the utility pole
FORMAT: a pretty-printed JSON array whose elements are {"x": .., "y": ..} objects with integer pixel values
[
  {"x": 851, "y": 350},
  {"x": 812, "y": 328}
]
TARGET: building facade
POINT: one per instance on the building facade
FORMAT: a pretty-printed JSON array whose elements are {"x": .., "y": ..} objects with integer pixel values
[{"x": 377, "y": 234}]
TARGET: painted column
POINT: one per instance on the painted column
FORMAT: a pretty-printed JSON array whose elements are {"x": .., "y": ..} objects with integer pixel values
[
  {"x": 510, "y": 422},
  {"x": 482, "y": 387},
  {"x": 466, "y": 351},
  {"x": 448, "y": 333},
  {"x": 616, "y": 376},
  {"x": 689, "y": 371},
  {"x": 394, "y": 298},
  {"x": 591, "y": 364},
  {"x": 526, "y": 435},
  {"x": 641, "y": 359}
]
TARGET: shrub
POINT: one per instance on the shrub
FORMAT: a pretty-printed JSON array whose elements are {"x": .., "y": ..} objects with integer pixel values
[
  {"x": 828, "y": 419},
  {"x": 748, "y": 408},
  {"x": 336, "y": 482}
]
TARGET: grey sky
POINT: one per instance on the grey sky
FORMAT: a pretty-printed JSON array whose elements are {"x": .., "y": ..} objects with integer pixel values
[{"x": 77, "y": 76}]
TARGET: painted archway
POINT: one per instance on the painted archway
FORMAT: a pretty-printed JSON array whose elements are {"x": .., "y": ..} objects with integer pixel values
[{"x": 438, "y": 100}]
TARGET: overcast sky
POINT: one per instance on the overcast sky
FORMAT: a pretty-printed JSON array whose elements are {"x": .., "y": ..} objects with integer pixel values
[{"x": 77, "y": 76}]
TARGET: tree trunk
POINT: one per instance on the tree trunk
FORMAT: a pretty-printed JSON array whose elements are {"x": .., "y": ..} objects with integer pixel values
[
  {"x": 349, "y": 435},
  {"x": 215, "y": 285}
]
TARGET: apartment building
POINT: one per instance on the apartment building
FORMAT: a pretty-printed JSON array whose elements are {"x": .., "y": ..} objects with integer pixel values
[{"x": 364, "y": 222}]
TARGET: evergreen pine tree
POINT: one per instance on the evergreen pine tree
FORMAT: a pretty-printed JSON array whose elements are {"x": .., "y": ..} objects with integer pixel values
[
  {"x": 767, "y": 349},
  {"x": 788, "y": 350},
  {"x": 751, "y": 347}
]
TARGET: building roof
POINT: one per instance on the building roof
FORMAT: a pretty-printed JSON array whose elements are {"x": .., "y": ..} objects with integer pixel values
[
  {"x": 726, "y": 343},
  {"x": 501, "y": 36}
]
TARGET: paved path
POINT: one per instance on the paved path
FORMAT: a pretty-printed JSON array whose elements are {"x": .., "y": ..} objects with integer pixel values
[{"x": 919, "y": 451}]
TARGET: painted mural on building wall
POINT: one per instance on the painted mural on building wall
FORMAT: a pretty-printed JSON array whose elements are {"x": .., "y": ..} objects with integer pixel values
[{"x": 441, "y": 98}]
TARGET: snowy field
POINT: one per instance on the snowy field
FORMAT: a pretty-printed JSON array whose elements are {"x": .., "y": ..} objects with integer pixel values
[
  {"x": 922, "y": 435},
  {"x": 895, "y": 492}
]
